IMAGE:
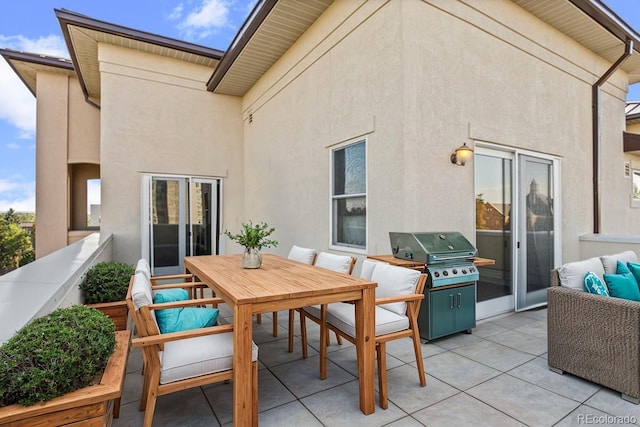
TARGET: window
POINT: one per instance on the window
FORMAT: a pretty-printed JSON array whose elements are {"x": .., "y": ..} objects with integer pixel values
[
  {"x": 349, "y": 196},
  {"x": 635, "y": 189}
]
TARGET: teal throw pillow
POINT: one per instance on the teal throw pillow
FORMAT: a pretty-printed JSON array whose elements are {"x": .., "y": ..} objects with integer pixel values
[
  {"x": 182, "y": 318},
  {"x": 185, "y": 318},
  {"x": 635, "y": 270},
  {"x": 621, "y": 268},
  {"x": 170, "y": 295},
  {"x": 594, "y": 285},
  {"x": 622, "y": 286}
]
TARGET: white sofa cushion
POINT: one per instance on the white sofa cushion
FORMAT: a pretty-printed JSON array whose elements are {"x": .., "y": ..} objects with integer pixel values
[
  {"x": 143, "y": 267},
  {"x": 366, "y": 270},
  {"x": 305, "y": 255},
  {"x": 394, "y": 281},
  {"x": 342, "y": 316},
  {"x": 141, "y": 291},
  {"x": 609, "y": 262},
  {"x": 194, "y": 357},
  {"x": 572, "y": 273},
  {"x": 339, "y": 263}
]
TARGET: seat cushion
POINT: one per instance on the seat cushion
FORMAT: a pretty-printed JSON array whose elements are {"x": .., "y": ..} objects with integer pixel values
[
  {"x": 594, "y": 285},
  {"x": 572, "y": 273},
  {"x": 170, "y": 295},
  {"x": 143, "y": 267},
  {"x": 342, "y": 316},
  {"x": 194, "y": 357},
  {"x": 366, "y": 270},
  {"x": 300, "y": 254},
  {"x": 141, "y": 291},
  {"x": 609, "y": 262},
  {"x": 394, "y": 281},
  {"x": 339, "y": 263}
]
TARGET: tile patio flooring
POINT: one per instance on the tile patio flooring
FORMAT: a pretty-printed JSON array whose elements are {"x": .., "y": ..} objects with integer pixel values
[{"x": 496, "y": 376}]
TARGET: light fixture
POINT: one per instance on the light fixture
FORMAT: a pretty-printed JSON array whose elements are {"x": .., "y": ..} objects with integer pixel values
[{"x": 461, "y": 155}]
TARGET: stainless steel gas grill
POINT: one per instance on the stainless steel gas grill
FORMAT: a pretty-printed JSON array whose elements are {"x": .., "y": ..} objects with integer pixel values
[{"x": 450, "y": 293}]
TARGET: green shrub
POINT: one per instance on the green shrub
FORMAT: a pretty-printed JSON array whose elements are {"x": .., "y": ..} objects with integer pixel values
[
  {"x": 55, "y": 354},
  {"x": 106, "y": 282}
]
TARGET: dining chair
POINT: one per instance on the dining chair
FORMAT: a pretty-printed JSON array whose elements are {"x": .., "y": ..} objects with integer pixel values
[
  {"x": 177, "y": 361},
  {"x": 339, "y": 263},
  {"x": 397, "y": 304},
  {"x": 300, "y": 254}
]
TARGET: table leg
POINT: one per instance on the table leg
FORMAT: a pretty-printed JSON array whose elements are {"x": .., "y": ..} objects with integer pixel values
[
  {"x": 242, "y": 377},
  {"x": 365, "y": 349}
]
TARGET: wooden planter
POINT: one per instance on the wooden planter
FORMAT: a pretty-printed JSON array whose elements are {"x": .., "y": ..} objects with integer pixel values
[
  {"x": 95, "y": 405},
  {"x": 117, "y": 311}
]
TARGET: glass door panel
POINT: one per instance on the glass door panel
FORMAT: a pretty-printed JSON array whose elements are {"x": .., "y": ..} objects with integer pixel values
[
  {"x": 536, "y": 231},
  {"x": 494, "y": 237},
  {"x": 168, "y": 219},
  {"x": 204, "y": 218}
]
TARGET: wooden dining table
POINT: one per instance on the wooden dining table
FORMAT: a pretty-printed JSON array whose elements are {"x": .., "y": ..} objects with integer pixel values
[{"x": 283, "y": 284}]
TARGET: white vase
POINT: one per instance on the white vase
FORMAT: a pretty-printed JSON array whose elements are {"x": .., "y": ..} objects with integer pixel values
[{"x": 251, "y": 258}]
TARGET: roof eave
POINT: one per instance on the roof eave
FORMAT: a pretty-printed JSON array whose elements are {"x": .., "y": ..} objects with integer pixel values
[{"x": 48, "y": 61}]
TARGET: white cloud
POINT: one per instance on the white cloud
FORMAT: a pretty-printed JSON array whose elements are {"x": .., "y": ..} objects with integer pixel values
[
  {"x": 17, "y": 104},
  {"x": 19, "y": 196},
  {"x": 176, "y": 13},
  {"x": 12, "y": 146},
  {"x": 206, "y": 18}
]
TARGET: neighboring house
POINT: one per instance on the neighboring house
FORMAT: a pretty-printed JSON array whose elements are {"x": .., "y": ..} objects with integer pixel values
[{"x": 334, "y": 121}]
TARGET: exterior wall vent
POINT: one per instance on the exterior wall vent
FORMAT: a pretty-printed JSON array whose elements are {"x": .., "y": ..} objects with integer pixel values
[{"x": 627, "y": 169}]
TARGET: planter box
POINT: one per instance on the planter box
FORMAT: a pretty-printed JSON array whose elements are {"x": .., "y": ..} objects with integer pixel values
[
  {"x": 117, "y": 311},
  {"x": 95, "y": 405}
]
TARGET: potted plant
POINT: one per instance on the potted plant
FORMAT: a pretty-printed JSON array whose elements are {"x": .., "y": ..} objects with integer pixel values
[
  {"x": 253, "y": 238},
  {"x": 105, "y": 288},
  {"x": 64, "y": 368}
]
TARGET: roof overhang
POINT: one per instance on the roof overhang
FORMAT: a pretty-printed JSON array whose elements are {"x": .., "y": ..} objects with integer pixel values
[
  {"x": 632, "y": 113},
  {"x": 270, "y": 30},
  {"x": 28, "y": 65},
  {"x": 592, "y": 24},
  {"x": 275, "y": 25},
  {"x": 83, "y": 34}
]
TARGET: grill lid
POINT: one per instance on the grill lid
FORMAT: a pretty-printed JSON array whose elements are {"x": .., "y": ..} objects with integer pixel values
[{"x": 431, "y": 247}]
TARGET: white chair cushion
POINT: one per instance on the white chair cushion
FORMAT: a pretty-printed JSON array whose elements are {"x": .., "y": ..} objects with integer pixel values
[
  {"x": 339, "y": 263},
  {"x": 572, "y": 273},
  {"x": 141, "y": 291},
  {"x": 367, "y": 268},
  {"x": 609, "y": 262},
  {"x": 300, "y": 254},
  {"x": 313, "y": 310},
  {"x": 394, "y": 281},
  {"x": 194, "y": 357},
  {"x": 143, "y": 267},
  {"x": 342, "y": 316}
]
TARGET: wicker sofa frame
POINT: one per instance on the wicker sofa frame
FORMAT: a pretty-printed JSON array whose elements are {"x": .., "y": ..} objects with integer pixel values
[{"x": 593, "y": 337}]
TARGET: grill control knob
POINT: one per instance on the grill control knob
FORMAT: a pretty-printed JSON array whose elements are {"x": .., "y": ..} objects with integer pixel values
[
  {"x": 464, "y": 271},
  {"x": 472, "y": 269},
  {"x": 436, "y": 274},
  {"x": 445, "y": 273},
  {"x": 455, "y": 271}
]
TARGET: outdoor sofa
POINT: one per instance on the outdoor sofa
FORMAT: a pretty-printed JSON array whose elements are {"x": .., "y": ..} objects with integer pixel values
[{"x": 592, "y": 336}]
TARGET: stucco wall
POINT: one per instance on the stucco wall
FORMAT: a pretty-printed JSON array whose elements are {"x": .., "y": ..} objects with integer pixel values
[
  {"x": 419, "y": 78},
  {"x": 157, "y": 117}
]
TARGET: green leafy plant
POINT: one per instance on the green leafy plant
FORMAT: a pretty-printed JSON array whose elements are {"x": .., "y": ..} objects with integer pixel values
[
  {"x": 55, "y": 354},
  {"x": 106, "y": 282},
  {"x": 253, "y": 236}
]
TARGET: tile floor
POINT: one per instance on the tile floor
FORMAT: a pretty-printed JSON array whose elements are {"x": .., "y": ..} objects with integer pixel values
[{"x": 496, "y": 376}]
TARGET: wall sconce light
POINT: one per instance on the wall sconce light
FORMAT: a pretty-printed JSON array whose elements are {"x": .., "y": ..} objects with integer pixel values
[{"x": 461, "y": 155}]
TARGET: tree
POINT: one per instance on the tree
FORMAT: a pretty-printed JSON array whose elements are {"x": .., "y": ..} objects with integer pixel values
[{"x": 15, "y": 245}]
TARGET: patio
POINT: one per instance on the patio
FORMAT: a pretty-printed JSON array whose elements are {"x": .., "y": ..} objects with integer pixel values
[{"x": 497, "y": 376}]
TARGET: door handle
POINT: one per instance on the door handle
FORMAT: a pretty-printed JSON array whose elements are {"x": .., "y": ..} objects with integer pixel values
[
  {"x": 451, "y": 301},
  {"x": 459, "y": 299}
]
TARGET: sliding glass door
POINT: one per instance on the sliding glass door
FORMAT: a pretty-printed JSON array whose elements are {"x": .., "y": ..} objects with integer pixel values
[{"x": 180, "y": 218}]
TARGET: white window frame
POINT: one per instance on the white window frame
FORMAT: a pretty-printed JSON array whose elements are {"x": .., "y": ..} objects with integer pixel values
[
  {"x": 635, "y": 201},
  {"x": 333, "y": 198}
]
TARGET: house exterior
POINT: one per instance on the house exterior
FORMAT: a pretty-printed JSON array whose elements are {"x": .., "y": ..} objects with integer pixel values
[{"x": 335, "y": 121}]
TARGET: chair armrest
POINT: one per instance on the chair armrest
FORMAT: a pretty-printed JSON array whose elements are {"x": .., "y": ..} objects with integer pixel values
[
  {"x": 176, "y": 336},
  {"x": 185, "y": 303},
  {"x": 181, "y": 285},
  {"x": 400, "y": 298},
  {"x": 172, "y": 277}
]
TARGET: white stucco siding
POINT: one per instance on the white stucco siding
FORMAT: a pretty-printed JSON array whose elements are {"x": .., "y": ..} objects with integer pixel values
[{"x": 157, "y": 117}]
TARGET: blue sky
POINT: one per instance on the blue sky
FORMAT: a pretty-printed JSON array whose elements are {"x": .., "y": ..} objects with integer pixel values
[{"x": 31, "y": 26}]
